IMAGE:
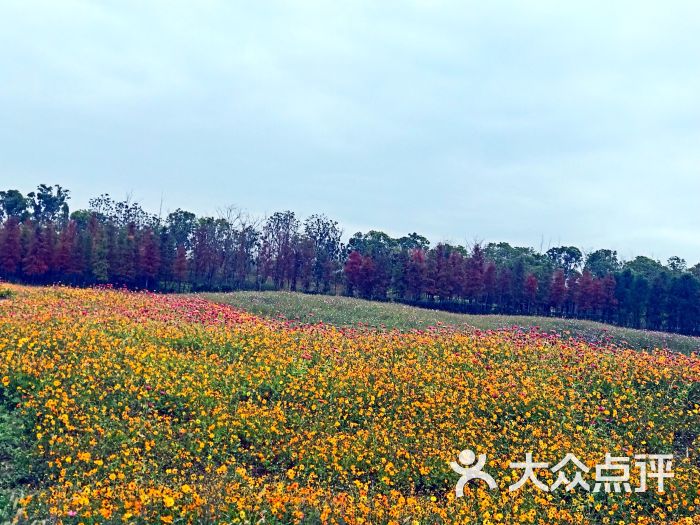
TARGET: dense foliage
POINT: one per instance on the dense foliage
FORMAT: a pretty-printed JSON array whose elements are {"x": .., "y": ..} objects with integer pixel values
[
  {"x": 143, "y": 408},
  {"x": 119, "y": 243}
]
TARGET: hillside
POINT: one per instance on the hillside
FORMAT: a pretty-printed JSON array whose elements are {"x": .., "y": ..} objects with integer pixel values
[
  {"x": 346, "y": 311},
  {"x": 123, "y": 407}
]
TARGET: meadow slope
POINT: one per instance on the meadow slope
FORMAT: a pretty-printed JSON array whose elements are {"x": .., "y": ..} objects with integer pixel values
[
  {"x": 140, "y": 408},
  {"x": 346, "y": 311}
]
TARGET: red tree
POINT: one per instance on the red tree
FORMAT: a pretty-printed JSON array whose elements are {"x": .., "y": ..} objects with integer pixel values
[
  {"x": 353, "y": 271},
  {"x": 457, "y": 273},
  {"x": 39, "y": 255},
  {"x": 586, "y": 298},
  {"x": 474, "y": 284},
  {"x": 180, "y": 266},
  {"x": 368, "y": 276},
  {"x": 415, "y": 273},
  {"x": 440, "y": 277},
  {"x": 557, "y": 292},
  {"x": 531, "y": 287},
  {"x": 68, "y": 259}
]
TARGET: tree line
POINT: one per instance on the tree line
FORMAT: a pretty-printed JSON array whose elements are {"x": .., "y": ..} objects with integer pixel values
[{"x": 119, "y": 243}]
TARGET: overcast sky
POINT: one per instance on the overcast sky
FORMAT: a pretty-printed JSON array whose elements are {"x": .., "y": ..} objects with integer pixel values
[{"x": 537, "y": 123}]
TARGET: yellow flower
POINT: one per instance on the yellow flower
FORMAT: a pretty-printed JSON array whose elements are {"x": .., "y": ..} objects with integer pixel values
[{"x": 197, "y": 388}]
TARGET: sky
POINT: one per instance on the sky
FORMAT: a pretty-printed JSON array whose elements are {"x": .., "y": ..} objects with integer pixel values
[{"x": 538, "y": 123}]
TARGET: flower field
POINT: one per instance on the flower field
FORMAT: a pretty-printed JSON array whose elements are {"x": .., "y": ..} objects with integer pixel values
[{"x": 142, "y": 408}]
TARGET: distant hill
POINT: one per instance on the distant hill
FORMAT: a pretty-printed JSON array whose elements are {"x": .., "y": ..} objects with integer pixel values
[{"x": 346, "y": 311}]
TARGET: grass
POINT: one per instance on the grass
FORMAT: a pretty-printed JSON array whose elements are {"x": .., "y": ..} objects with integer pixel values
[
  {"x": 346, "y": 311},
  {"x": 14, "y": 459}
]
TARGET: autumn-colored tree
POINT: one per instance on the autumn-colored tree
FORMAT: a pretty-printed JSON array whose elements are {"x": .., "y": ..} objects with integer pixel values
[
  {"x": 608, "y": 301},
  {"x": 440, "y": 275},
  {"x": 416, "y": 273},
  {"x": 572, "y": 295},
  {"x": 457, "y": 273},
  {"x": 530, "y": 292},
  {"x": 474, "y": 285},
  {"x": 557, "y": 291},
  {"x": 39, "y": 251},
  {"x": 586, "y": 293},
  {"x": 180, "y": 267},
  {"x": 120, "y": 243},
  {"x": 368, "y": 277},
  {"x": 353, "y": 271},
  {"x": 69, "y": 253}
]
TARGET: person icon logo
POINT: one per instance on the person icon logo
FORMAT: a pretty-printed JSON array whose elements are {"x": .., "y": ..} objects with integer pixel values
[{"x": 467, "y": 458}]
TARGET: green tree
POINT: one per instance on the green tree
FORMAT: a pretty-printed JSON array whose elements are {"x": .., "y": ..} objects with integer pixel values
[
  {"x": 49, "y": 204},
  {"x": 645, "y": 266},
  {"x": 13, "y": 204},
  {"x": 676, "y": 264},
  {"x": 324, "y": 235},
  {"x": 602, "y": 262},
  {"x": 568, "y": 258}
]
